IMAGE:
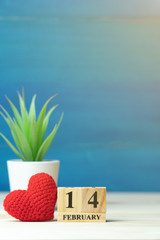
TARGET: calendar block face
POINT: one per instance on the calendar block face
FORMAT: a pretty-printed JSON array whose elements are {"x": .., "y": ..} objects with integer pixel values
[
  {"x": 69, "y": 200},
  {"x": 82, "y": 204},
  {"x": 94, "y": 200}
]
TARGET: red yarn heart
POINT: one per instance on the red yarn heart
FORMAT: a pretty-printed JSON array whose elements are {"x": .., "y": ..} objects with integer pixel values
[{"x": 36, "y": 203}]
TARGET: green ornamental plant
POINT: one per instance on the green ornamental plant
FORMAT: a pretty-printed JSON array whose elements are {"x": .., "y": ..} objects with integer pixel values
[{"x": 27, "y": 131}]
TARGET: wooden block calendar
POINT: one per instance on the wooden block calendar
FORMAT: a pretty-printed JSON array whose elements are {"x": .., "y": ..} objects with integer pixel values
[{"x": 82, "y": 204}]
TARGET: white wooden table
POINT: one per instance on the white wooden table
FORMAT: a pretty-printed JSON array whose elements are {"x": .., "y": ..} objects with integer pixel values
[{"x": 129, "y": 216}]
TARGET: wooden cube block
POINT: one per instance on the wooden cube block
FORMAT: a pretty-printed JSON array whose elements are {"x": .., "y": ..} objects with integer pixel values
[
  {"x": 82, "y": 204},
  {"x": 69, "y": 199},
  {"x": 93, "y": 200}
]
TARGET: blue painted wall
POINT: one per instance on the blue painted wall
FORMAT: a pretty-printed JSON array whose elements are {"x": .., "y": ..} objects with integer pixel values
[{"x": 103, "y": 58}]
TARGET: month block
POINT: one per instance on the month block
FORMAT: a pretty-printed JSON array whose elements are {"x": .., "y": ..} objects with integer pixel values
[{"x": 82, "y": 204}]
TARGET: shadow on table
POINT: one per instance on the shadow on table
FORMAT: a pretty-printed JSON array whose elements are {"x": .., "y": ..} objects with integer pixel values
[{"x": 114, "y": 220}]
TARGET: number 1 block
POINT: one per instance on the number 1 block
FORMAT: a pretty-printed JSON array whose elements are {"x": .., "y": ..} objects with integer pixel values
[{"x": 84, "y": 204}]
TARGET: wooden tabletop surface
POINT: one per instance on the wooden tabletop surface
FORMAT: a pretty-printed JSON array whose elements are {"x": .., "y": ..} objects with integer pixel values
[{"x": 129, "y": 216}]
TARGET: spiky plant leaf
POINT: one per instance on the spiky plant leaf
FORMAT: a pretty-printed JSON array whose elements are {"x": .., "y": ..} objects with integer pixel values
[
  {"x": 26, "y": 150},
  {"x": 14, "y": 133},
  {"x": 18, "y": 136},
  {"x": 33, "y": 137},
  {"x": 16, "y": 113},
  {"x": 6, "y": 119},
  {"x": 7, "y": 114},
  {"x": 45, "y": 122},
  {"x": 28, "y": 134},
  {"x": 25, "y": 117},
  {"x": 32, "y": 110},
  {"x": 11, "y": 146},
  {"x": 33, "y": 127},
  {"x": 46, "y": 144},
  {"x": 40, "y": 121}
]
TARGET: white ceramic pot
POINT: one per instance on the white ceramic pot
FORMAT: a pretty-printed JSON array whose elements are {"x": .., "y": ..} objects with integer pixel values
[{"x": 20, "y": 171}]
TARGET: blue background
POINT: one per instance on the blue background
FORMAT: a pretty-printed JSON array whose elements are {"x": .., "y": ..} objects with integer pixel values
[{"x": 103, "y": 58}]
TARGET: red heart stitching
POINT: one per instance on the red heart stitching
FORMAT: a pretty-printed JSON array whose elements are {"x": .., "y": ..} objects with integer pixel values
[{"x": 37, "y": 203}]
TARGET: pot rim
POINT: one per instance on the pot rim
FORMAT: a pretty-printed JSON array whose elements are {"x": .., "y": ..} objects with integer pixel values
[{"x": 32, "y": 162}]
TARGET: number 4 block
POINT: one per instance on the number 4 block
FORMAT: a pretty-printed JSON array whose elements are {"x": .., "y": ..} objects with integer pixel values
[{"x": 82, "y": 204}]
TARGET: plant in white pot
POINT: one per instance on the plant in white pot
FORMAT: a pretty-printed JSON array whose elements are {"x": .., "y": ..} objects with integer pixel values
[{"x": 31, "y": 145}]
